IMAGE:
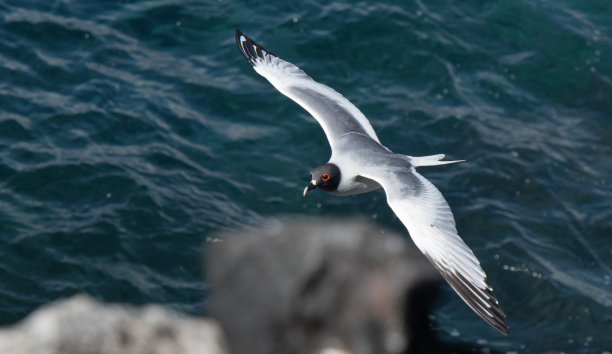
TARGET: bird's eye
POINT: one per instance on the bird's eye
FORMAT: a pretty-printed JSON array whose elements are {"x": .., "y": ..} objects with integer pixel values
[{"x": 325, "y": 177}]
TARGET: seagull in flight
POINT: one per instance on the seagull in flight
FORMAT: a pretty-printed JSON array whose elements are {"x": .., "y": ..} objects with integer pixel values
[{"x": 359, "y": 163}]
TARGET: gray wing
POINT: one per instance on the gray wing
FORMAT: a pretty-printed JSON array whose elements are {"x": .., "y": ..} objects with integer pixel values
[
  {"x": 335, "y": 114},
  {"x": 429, "y": 220}
]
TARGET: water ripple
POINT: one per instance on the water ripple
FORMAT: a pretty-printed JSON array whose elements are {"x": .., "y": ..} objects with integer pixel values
[{"x": 131, "y": 131}]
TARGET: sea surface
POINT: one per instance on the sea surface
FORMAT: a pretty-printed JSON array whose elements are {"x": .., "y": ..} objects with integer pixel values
[{"x": 132, "y": 131}]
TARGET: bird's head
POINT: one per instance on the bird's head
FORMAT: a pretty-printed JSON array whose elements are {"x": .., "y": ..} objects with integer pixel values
[{"x": 326, "y": 177}]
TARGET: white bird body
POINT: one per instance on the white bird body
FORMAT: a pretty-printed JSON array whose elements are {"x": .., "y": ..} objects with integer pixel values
[{"x": 360, "y": 163}]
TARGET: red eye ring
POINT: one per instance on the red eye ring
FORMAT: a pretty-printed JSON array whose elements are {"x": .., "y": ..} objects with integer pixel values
[{"x": 325, "y": 177}]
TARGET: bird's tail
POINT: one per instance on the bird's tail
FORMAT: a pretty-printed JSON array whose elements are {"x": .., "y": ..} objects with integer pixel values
[{"x": 431, "y": 160}]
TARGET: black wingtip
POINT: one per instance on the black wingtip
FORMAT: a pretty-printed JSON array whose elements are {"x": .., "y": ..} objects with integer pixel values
[
  {"x": 238, "y": 35},
  {"x": 493, "y": 314},
  {"x": 464, "y": 288},
  {"x": 249, "y": 49},
  {"x": 241, "y": 41}
]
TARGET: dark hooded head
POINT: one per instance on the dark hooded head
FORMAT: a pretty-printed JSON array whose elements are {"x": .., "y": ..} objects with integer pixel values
[{"x": 326, "y": 177}]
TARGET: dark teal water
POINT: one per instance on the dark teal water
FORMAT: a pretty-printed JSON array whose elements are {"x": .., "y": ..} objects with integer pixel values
[{"x": 131, "y": 131}]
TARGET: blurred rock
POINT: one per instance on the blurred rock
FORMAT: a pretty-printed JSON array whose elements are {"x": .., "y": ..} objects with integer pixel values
[
  {"x": 296, "y": 286},
  {"x": 81, "y": 325},
  {"x": 321, "y": 286}
]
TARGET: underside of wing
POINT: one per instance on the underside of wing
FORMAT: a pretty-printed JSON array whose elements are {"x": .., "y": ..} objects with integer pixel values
[
  {"x": 429, "y": 220},
  {"x": 335, "y": 114}
]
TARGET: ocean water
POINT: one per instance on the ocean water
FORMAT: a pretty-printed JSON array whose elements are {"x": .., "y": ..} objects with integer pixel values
[{"x": 132, "y": 131}]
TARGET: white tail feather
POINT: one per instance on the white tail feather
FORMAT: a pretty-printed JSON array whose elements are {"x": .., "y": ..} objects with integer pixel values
[{"x": 431, "y": 160}]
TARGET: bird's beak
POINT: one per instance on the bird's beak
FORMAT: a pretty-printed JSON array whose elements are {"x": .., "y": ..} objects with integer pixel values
[{"x": 312, "y": 185}]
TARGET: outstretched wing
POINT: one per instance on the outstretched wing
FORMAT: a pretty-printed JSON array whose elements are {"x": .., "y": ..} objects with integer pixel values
[
  {"x": 429, "y": 220},
  {"x": 334, "y": 113}
]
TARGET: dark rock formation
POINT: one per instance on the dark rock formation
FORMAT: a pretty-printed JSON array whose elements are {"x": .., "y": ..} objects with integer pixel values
[
  {"x": 317, "y": 285},
  {"x": 81, "y": 325},
  {"x": 305, "y": 286}
]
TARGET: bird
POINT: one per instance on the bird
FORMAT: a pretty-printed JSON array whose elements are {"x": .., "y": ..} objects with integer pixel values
[{"x": 359, "y": 163}]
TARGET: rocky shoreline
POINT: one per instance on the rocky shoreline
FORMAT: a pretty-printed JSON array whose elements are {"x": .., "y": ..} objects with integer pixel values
[{"x": 293, "y": 286}]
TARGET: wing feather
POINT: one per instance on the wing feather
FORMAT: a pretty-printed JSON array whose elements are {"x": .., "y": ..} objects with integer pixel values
[
  {"x": 335, "y": 114},
  {"x": 430, "y": 222}
]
